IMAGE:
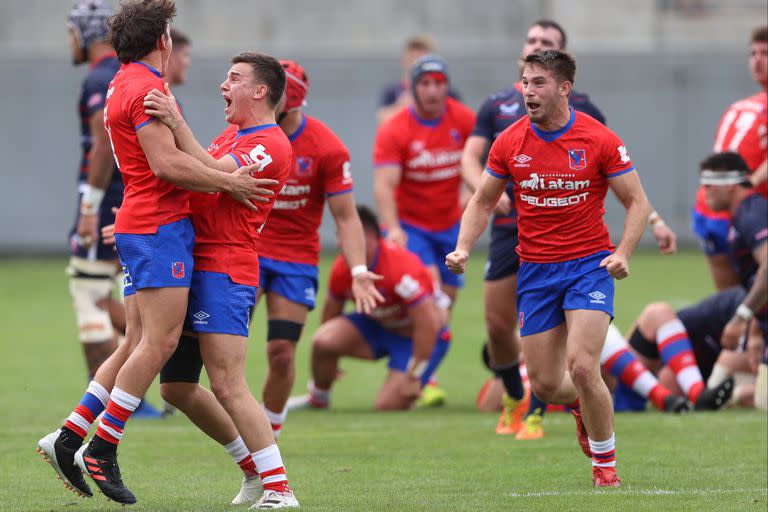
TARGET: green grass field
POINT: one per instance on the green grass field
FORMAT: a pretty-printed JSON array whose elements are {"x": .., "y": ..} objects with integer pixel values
[{"x": 351, "y": 458}]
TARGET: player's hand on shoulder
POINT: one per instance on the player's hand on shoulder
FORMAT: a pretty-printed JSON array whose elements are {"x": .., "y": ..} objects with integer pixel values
[
  {"x": 665, "y": 237},
  {"x": 243, "y": 187},
  {"x": 617, "y": 265},
  {"x": 397, "y": 236},
  {"x": 457, "y": 261},
  {"x": 162, "y": 105},
  {"x": 367, "y": 297}
]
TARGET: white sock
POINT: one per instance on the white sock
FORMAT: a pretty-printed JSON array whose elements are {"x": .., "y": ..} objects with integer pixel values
[{"x": 276, "y": 419}]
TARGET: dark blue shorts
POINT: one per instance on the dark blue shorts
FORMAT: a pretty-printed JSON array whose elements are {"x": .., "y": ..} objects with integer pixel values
[
  {"x": 159, "y": 260},
  {"x": 546, "y": 290},
  {"x": 432, "y": 247},
  {"x": 503, "y": 260},
  {"x": 399, "y": 348},
  {"x": 98, "y": 251},
  {"x": 219, "y": 305},
  {"x": 712, "y": 233},
  {"x": 705, "y": 322},
  {"x": 297, "y": 282}
]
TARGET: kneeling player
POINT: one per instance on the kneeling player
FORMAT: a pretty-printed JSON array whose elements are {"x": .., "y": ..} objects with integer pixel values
[
  {"x": 689, "y": 341},
  {"x": 408, "y": 327}
]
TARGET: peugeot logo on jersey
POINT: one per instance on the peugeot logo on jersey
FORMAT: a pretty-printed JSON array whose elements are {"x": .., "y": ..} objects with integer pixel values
[{"x": 577, "y": 159}]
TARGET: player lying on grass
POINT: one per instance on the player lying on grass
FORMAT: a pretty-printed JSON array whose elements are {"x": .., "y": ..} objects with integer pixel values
[{"x": 408, "y": 328}]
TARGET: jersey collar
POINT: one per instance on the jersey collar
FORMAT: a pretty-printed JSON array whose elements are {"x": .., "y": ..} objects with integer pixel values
[
  {"x": 556, "y": 134},
  {"x": 295, "y": 135},
  {"x": 111, "y": 55},
  {"x": 153, "y": 70},
  {"x": 252, "y": 129},
  {"x": 425, "y": 122}
]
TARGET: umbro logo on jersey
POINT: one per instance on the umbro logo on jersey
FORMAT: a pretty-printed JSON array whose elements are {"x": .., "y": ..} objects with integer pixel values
[
  {"x": 522, "y": 160},
  {"x": 597, "y": 297}
]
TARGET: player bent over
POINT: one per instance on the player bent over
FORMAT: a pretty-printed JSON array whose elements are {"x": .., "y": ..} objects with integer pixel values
[
  {"x": 562, "y": 163},
  {"x": 408, "y": 327}
]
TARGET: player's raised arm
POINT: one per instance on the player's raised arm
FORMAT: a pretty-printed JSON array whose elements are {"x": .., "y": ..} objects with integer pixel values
[
  {"x": 475, "y": 220},
  {"x": 171, "y": 164},
  {"x": 630, "y": 193}
]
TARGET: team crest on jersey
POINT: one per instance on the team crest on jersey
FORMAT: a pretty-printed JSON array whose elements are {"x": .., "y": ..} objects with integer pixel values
[
  {"x": 455, "y": 135},
  {"x": 304, "y": 166},
  {"x": 521, "y": 320},
  {"x": 177, "y": 269},
  {"x": 577, "y": 159}
]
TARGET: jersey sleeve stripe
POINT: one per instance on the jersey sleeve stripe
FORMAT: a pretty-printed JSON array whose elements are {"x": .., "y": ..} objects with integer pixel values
[
  {"x": 142, "y": 125},
  {"x": 338, "y": 193},
  {"x": 237, "y": 160},
  {"x": 496, "y": 174},
  {"x": 619, "y": 173}
]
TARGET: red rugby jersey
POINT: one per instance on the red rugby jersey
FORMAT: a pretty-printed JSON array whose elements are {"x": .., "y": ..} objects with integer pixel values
[
  {"x": 406, "y": 283},
  {"x": 225, "y": 230},
  {"x": 560, "y": 181},
  {"x": 149, "y": 202},
  {"x": 429, "y": 154},
  {"x": 319, "y": 169},
  {"x": 743, "y": 129}
]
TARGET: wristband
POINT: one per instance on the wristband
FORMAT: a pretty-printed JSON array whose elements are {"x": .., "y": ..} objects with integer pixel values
[
  {"x": 91, "y": 200},
  {"x": 654, "y": 218},
  {"x": 744, "y": 312},
  {"x": 358, "y": 269},
  {"x": 416, "y": 369}
]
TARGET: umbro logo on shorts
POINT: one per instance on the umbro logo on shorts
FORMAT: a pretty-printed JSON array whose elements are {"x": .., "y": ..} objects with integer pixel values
[
  {"x": 200, "y": 317},
  {"x": 597, "y": 297}
]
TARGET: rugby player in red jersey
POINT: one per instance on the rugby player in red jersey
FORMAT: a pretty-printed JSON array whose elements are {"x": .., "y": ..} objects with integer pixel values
[
  {"x": 408, "y": 327},
  {"x": 417, "y": 182},
  {"x": 562, "y": 163},
  {"x": 154, "y": 238},
  {"x": 743, "y": 128},
  {"x": 289, "y": 247}
]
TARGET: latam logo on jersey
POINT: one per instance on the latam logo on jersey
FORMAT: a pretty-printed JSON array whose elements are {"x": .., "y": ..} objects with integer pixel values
[
  {"x": 437, "y": 158},
  {"x": 537, "y": 183},
  {"x": 293, "y": 191}
]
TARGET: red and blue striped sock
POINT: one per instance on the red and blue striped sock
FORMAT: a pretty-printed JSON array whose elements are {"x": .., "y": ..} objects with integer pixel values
[
  {"x": 120, "y": 407},
  {"x": 604, "y": 452},
  {"x": 91, "y": 405},
  {"x": 677, "y": 353}
]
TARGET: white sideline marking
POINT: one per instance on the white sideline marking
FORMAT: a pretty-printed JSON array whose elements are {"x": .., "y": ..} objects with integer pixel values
[{"x": 638, "y": 492}]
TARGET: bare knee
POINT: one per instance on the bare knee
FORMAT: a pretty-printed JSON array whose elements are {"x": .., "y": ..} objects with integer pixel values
[
  {"x": 323, "y": 343},
  {"x": 392, "y": 403},
  {"x": 501, "y": 330},
  {"x": 584, "y": 371},
  {"x": 654, "y": 316},
  {"x": 176, "y": 394},
  {"x": 227, "y": 391},
  {"x": 281, "y": 356},
  {"x": 544, "y": 388}
]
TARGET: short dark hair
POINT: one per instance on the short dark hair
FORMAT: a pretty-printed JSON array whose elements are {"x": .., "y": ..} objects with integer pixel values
[
  {"x": 561, "y": 63},
  {"x": 369, "y": 220},
  {"x": 137, "y": 25},
  {"x": 760, "y": 34},
  {"x": 179, "y": 38},
  {"x": 266, "y": 70},
  {"x": 545, "y": 23},
  {"x": 726, "y": 161},
  {"x": 421, "y": 42}
]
